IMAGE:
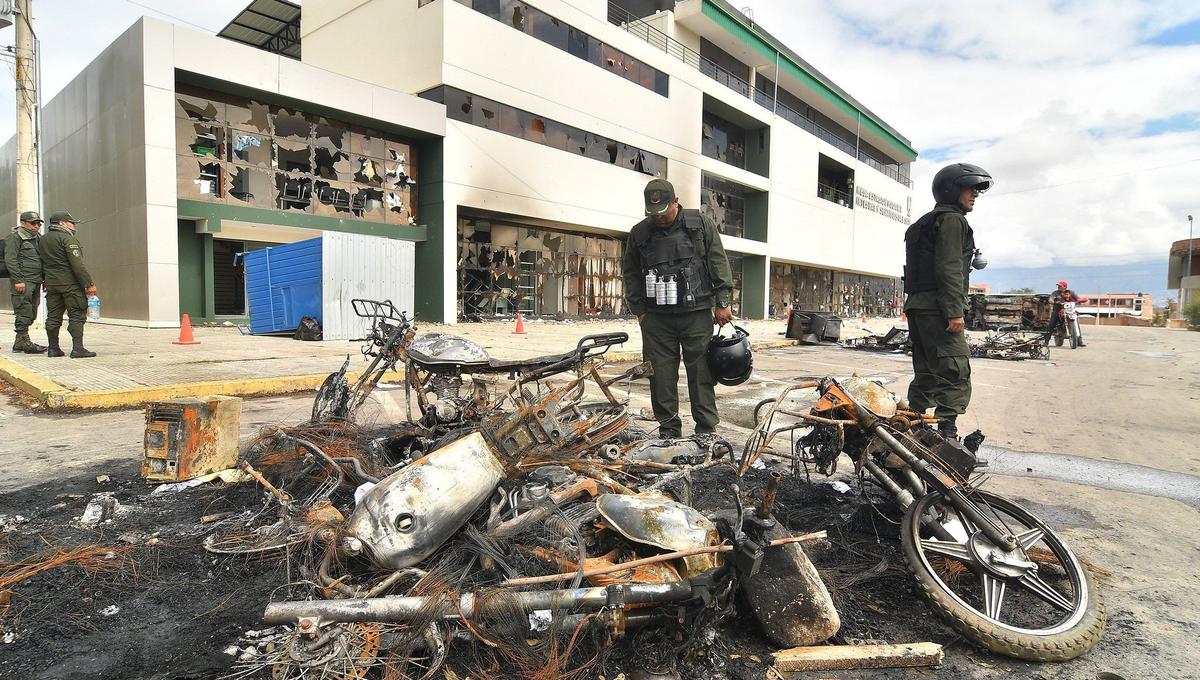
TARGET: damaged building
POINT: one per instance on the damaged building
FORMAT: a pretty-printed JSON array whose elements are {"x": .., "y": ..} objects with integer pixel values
[{"x": 510, "y": 141}]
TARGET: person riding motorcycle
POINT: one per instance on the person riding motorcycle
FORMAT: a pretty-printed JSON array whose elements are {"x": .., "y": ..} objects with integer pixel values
[{"x": 1058, "y": 297}]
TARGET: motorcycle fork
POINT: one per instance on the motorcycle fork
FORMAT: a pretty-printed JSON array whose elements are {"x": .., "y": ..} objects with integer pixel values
[{"x": 937, "y": 480}]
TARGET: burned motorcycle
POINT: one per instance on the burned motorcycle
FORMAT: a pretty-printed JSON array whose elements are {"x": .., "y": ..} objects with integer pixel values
[
  {"x": 991, "y": 569},
  {"x": 446, "y": 373}
]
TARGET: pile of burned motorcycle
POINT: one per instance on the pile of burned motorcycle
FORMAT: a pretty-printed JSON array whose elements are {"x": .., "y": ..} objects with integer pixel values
[
  {"x": 1003, "y": 343},
  {"x": 521, "y": 514}
]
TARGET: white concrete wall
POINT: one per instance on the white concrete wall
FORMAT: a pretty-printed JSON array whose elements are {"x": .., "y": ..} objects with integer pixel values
[{"x": 448, "y": 43}]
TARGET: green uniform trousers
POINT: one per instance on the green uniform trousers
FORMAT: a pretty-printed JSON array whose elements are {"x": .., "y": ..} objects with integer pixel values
[
  {"x": 74, "y": 303},
  {"x": 665, "y": 337},
  {"x": 941, "y": 365},
  {"x": 25, "y": 306}
]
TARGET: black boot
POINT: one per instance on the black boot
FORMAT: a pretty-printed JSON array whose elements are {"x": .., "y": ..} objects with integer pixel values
[
  {"x": 948, "y": 428},
  {"x": 78, "y": 351},
  {"x": 52, "y": 348},
  {"x": 24, "y": 344}
]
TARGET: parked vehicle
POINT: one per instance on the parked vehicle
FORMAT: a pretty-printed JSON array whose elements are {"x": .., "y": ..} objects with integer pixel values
[{"x": 1068, "y": 324}]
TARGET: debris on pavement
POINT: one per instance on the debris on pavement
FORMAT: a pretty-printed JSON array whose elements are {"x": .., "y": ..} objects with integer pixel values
[{"x": 855, "y": 657}]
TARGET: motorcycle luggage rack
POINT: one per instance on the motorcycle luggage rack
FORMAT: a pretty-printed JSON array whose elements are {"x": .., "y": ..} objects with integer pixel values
[{"x": 376, "y": 309}]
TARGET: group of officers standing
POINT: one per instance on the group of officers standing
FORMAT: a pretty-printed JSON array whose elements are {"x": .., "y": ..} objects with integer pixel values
[
  {"x": 53, "y": 260},
  {"x": 684, "y": 246}
]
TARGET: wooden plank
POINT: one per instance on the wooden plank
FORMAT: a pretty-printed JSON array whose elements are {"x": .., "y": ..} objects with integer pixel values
[{"x": 855, "y": 657}]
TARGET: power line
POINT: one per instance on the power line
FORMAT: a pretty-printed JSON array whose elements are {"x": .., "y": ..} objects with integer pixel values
[
  {"x": 172, "y": 16},
  {"x": 1094, "y": 179}
]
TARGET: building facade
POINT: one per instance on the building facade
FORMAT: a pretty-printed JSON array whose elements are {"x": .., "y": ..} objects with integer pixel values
[
  {"x": 510, "y": 140},
  {"x": 1112, "y": 305},
  {"x": 1183, "y": 273}
]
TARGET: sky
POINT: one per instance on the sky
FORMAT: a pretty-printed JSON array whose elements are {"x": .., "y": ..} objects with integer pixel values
[{"x": 1086, "y": 112}]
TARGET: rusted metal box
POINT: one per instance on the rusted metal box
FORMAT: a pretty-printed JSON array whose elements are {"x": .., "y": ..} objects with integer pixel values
[{"x": 187, "y": 438}]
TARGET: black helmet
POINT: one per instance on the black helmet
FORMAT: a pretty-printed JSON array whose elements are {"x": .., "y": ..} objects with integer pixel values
[
  {"x": 949, "y": 182},
  {"x": 729, "y": 358}
]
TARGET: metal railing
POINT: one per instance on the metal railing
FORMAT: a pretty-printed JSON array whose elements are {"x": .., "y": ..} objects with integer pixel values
[
  {"x": 620, "y": 17},
  {"x": 834, "y": 195}
]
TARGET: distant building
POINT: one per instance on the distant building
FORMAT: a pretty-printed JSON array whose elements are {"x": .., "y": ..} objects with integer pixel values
[
  {"x": 1112, "y": 305},
  {"x": 1182, "y": 275},
  {"x": 981, "y": 289}
]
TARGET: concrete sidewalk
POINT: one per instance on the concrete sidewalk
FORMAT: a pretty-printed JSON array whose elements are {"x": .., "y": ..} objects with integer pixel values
[{"x": 137, "y": 365}]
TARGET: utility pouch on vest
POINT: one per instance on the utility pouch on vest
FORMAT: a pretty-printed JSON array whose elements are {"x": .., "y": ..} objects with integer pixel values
[{"x": 677, "y": 254}]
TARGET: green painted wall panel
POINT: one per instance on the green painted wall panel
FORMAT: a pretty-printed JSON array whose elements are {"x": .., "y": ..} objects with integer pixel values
[
  {"x": 754, "y": 279},
  {"x": 429, "y": 292},
  {"x": 192, "y": 291}
]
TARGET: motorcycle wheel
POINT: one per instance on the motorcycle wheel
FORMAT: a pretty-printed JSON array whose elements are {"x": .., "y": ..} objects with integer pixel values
[
  {"x": 1058, "y": 339},
  {"x": 1074, "y": 335},
  {"x": 1036, "y": 602}
]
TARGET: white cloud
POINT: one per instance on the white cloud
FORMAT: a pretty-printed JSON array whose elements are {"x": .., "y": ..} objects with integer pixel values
[{"x": 1037, "y": 93}]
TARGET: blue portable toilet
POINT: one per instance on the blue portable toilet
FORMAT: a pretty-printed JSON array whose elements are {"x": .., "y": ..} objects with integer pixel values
[{"x": 283, "y": 285}]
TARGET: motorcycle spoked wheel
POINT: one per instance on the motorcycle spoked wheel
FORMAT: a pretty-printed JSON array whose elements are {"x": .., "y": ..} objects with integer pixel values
[
  {"x": 1074, "y": 333},
  {"x": 1048, "y": 610}
]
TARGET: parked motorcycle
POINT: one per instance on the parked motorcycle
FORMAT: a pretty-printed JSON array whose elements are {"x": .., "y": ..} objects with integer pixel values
[{"x": 991, "y": 569}]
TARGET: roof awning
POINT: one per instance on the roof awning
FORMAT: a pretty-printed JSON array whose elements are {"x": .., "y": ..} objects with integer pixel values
[{"x": 271, "y": 25}]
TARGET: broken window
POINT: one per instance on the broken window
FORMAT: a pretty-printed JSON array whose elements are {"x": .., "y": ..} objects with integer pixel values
[
  {"x": 825, "y": 290},
  {"x": 725, "y": 203},
  {"x": 723, "y": 140},
  {"x": 227, "y": 152},
  {"x": 506, "y": 267}
]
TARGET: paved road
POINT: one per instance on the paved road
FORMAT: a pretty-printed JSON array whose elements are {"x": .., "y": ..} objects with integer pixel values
[{"x": 1099, "y": 441}]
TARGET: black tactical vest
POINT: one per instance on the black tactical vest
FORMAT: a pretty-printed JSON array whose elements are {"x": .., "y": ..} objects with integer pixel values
[
  {"x": 676, "y": 252},
  {"x": 919, "y": 242}
]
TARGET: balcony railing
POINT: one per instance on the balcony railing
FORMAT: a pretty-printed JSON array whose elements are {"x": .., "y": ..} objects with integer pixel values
[
  {"x": 834, "y": 195},
  {"x": 620, "y": 17}
]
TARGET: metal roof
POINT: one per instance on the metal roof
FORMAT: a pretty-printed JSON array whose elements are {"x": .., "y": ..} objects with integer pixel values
[{"x": 271, "y": 25}]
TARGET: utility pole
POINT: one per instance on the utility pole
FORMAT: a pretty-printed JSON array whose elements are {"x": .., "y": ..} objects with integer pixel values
[
  {"x": 1182, "y": 287},
  {"x": 28, "y": 196}
]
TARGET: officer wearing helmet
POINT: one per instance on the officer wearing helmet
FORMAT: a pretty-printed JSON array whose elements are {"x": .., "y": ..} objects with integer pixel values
[
  {"x": 939, "y": 251},
  {"x": 679, "y": 253}
]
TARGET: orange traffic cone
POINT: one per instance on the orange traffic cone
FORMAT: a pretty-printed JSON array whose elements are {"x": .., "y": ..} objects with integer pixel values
[
  {"x": 185, "y": 332},
  {"x": 520, "y": 329},
  {"x": 903, "y": 316}
]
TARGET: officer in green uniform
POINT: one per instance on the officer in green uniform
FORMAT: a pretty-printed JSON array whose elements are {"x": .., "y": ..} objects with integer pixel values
[
  {"x": 25, "y": 278},
  {"x": 684, "y": 247},
  {"x": 939, "y": 249},
  {"x": 68, "y": 284}
]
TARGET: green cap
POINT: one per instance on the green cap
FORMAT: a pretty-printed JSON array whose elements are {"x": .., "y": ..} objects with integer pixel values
[
  {"x": 31, "y": 216},
  {"x": 659, "y": 195},
  {"x": 62, "y": 216}
]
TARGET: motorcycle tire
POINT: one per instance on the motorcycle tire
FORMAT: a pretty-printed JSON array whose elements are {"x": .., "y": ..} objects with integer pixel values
[
  {"x": 1074, "y": 335},
  {"x": 1072, "y": 637},
  {"x": 1058, "y": 339}
]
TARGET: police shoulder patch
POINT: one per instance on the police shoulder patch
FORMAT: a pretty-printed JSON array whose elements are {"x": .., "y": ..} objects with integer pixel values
[{"x": 75, "y": 251}]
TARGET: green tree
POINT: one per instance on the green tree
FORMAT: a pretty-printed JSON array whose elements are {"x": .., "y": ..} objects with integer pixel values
[{"x": 1191, "y": 312}]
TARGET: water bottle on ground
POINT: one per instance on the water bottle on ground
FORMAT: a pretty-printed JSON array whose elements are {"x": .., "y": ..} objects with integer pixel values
[{"x": 93, "y": 308}]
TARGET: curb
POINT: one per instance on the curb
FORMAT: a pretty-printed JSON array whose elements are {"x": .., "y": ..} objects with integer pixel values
[{"x": 56, "y": 397}]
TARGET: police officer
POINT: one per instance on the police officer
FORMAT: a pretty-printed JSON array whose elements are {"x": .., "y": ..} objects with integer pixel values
[
  {"x": 68, "y": 284},
  {"x": 25, "y": 278},
  {"x": 939, "y": 248},
  {"x": 684, "y": 247}
]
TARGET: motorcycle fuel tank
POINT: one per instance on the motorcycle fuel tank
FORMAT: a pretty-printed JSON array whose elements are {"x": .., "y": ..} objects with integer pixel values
[
  {"x": 408, "y": 515},
  {"x": 444, "y": 348}
]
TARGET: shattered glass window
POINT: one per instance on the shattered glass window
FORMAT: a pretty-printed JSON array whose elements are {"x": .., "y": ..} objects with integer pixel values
[
  {"x": 723, "y": 140},
  {"x": 825, "y": 290},
  {"x": 506, "y": 267},
  {"x": 557, "y": 33},
  {"x": 515, "y": 122},
  {"x": 725, "y": 203},
  {"x": 242, "y": 152}
]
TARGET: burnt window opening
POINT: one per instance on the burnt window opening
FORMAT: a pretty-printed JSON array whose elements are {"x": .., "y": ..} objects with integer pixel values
[
  {"x": 825, "y": 290},
  {"x": 725, "y": 203},
  {"x": 505, "y": 267},
  {"x": 241, "y": 152},
  {"x": 465, "y": 107},
  {"x": 553, "y": 31},
  {"x": 722, "y": 140}
]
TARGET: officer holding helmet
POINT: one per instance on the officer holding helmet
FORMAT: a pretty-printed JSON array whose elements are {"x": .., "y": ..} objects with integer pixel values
[
  {"x": 679, "y": 254},
  {"x": 939, "y": 251}
]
